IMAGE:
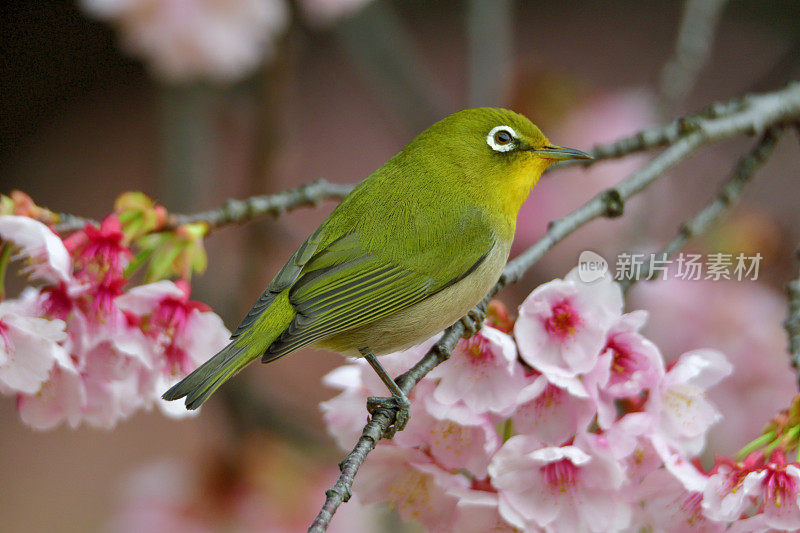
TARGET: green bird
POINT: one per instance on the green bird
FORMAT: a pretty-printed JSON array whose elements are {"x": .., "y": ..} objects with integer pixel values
[{"x": 412, "y": 249}]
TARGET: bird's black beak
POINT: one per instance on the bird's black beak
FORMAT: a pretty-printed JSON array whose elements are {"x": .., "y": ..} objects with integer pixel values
[{"x": 560, "y": 153}]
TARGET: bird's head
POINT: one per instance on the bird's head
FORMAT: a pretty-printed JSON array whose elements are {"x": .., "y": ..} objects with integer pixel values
[{"x": 500, "y": 153}]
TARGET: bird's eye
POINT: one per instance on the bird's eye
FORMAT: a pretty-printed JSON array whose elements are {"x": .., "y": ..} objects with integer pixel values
[{"x": 501, "y": 138}]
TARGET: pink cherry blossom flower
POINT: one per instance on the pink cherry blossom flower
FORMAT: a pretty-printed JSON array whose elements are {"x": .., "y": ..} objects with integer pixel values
[
  {"x": 743, "y": 321},
  {"x": 29, "y": 347},
  {"x": 184, "y": 40},
  {"x": 571, "y": 488},
  {"x": 101, "y": 250},
  {"x": 411, "y": 483},
  {"x": 454, "y": 436},
  {"x": 662, "y": 503},
  {"x": 780, "y": 493},
  {"x": 482, "y": 372},
  {"x": 57, "y": 301},
  {"x": 60, "y": 398},
  {"x": 628, "y": 440},
  {"x": 629, "y": 365},
  {"x": 686, "y": 413},
  {"x": 99, "y": 302},
  {"x": 478, "y": 511},
  {"x": 185, "y": 333},
  {"x": 550, "y": 413},
  {"x": 731, "y": 487},
  {"x": 771, "y": 488},
  {"x": 562, "y": 325},
  {"x": 47, "y": 257}
]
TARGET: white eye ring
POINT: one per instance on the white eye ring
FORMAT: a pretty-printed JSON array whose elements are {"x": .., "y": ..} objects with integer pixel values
[{"x": 497, "y": 147}]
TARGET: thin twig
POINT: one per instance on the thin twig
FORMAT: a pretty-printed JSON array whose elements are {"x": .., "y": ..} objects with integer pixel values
[
  {"x": 753, "y": 115},
  {"x": 792, "y": 323},
  {"x": 240, "y": 211},
  {"x": 726, "y": 197}
]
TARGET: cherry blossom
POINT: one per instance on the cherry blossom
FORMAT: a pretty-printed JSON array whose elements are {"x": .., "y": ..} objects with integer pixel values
[
  {"x": 571, "y": 488},
  {"x": 61, "y": 398},
  {"x": 85, "y": 349},
  {"x": 29, "y": 347},
  {"x": 629, "y": 365},
  {"x": 686, "y": 412},
  {"x": 562, "y": 325},
  {"x": 478, "y": 511},
  {"x": 579, "y": 445},
  {"x": 482, "y": 372},
  {"x": 47, "y": 257},
  {"x": 551, "y": 413},
  {"x": 740, "y": 319},
  {"x": 454, "y": 436},
  {"x": 185, "y": 333},
  {"x": 662, "y": 503},
  {"x": 100, "y": 248},
  {"x": 726, "y": 495},
  {"x": 416, "y": 487},
  {"x": 755, "y": 486}
]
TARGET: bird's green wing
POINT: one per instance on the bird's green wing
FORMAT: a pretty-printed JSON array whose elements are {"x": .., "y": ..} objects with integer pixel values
[
  {"x": 342, "y": 286},
  {"x": 286, "y": 276}
]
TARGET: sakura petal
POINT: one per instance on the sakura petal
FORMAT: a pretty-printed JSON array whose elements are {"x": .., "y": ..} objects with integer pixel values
[
  {"x": 50, "y": 259},
  {"x": 343, "y": 378},
  {"x": 29, "y": 348},
  {"x": 482, "y": 372},
  {"x": 143, "y": 299},
  {"x": 60, "y": 399}
]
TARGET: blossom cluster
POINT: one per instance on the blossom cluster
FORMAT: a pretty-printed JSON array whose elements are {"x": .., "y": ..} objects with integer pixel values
[
  {"x": 83, "y": 347},
  {"x": 565, "y": 420}
]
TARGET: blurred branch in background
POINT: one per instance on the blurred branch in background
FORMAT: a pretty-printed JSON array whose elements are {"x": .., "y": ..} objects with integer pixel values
[
  {"x": 376, "y": 41},
  {"x": 692, "y": 51},
  {"x": 750, "y": 115},
  {"x": 187, "y": 133},
  {"x": 490, "y": 33}
]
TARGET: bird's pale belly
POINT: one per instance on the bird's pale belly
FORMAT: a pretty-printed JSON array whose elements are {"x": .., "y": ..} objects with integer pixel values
[{"x": 419, "y": 322}]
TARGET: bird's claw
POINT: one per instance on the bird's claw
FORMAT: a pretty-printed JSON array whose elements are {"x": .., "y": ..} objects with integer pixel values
[
  {"x": 398, "y": 405},
  {"x": 473, "y": 322}
]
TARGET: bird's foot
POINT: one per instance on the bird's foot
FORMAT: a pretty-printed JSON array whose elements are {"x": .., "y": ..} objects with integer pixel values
[
  {"x": 473, "y": 322},
  {"x": 396, "y": 404}
]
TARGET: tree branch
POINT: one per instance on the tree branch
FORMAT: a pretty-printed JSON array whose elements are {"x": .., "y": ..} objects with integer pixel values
[
  {"x": 726, "y": 197},
  {"x": 239, "y": 211},
  {"x": 751, "y": 115},
  {"x": 792, "y": 323}
]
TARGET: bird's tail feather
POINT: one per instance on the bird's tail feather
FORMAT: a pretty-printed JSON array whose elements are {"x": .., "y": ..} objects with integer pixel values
[{"x": 209, "y": 376}]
